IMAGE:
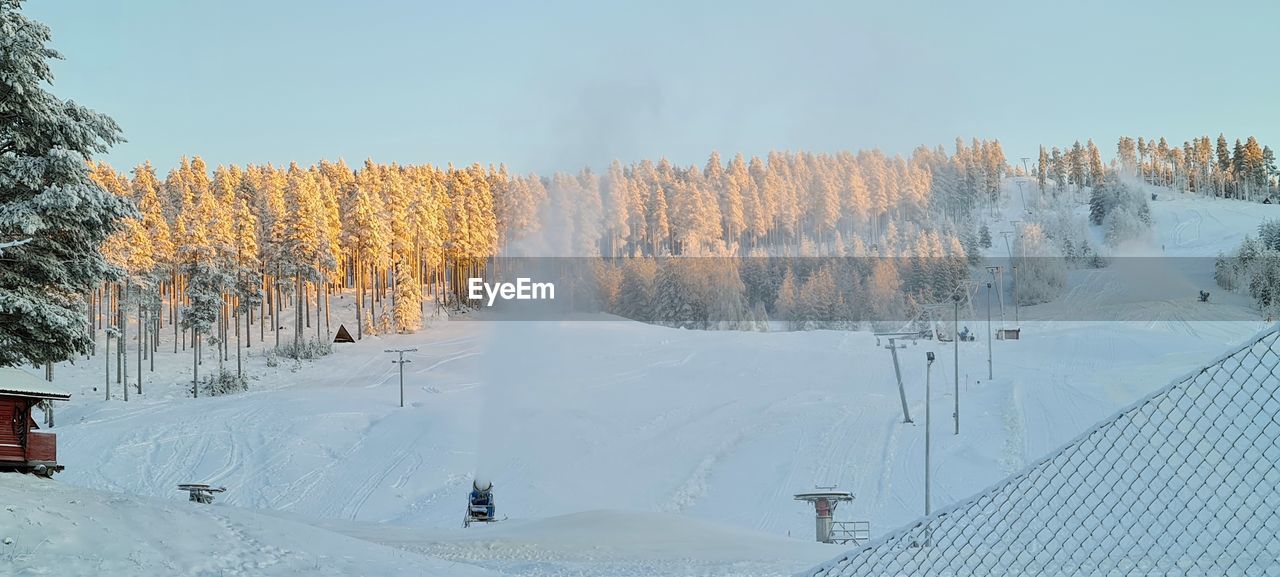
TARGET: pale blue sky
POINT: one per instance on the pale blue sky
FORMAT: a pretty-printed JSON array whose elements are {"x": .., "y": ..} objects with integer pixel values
[{"x": 557, "y": 84}]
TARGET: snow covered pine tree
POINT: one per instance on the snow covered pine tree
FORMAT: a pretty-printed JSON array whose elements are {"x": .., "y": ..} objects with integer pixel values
[{"x": 46, "y": 196}]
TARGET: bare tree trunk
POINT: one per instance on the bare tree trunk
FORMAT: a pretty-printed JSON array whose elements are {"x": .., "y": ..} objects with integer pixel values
[
  {"x": 262, "y": 309},
  {"x": 275, "y": 314},
  {"x": 118, "y": 322},
  {"x": 305, "y": 303},
  {"x": 153, "y": 333},
  {"x": 359, "y": 294},
  {"x": 297, "y": 308},
  {"x": 319, "y": 304},
  {"x": 93, "y": 329},
  {"x": 195, "y": 366},
  {"x": 173, "y": 307},
  {"x": 106, "y": 355},
  {"x": 173, "y": 304},
  {"x": 222, "y": 332},
  {"x": 141, "y": 346},
  {"x": 144, "y": 330},
  {"x": 222, "y": 341}
]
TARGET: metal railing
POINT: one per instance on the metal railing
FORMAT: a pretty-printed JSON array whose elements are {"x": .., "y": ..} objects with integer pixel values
[
  {"x": 850, "y": 532},
  {"x": 1184, "y": 482}
]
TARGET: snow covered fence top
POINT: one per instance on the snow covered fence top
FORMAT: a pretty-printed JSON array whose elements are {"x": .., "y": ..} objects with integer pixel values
[
  {"x": 1184, "y": 482},
  {"x": 17, "y": 383}
]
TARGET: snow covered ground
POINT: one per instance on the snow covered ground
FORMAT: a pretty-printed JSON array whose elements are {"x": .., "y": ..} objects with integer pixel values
[
  {"x": 616, "y": 448},
  {"x": 604, "y": 543},
  {"x": 52, "y": 528}
]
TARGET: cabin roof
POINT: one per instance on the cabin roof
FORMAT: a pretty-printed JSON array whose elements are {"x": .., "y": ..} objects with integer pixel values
[{"x": 17, "y": 383}]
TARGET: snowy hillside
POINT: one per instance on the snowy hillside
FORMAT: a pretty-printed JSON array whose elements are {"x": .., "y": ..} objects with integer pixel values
[
  {"x": 61, "y": 529},
  {"x": 665, "y": 430},
  {"x": 1155, "y": 278}
]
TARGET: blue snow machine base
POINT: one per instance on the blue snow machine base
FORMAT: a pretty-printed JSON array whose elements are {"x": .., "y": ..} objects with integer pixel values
[
  {"x": 479, "y": 514},
  {"x": 480, "y": 506}
]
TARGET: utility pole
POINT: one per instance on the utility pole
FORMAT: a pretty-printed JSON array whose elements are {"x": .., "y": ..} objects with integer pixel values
[
  {"x": 928, "y": 374},
  {"x": 956, "y": 340},
  {"x": 902, "y": 391},
  {"x": 989, "y": 375},
  {"x": 1015, "y": 296},
  {"x": 997, "y": 283},
  {"x": 401, "y": 362},
  {"x": 1025, "y": 170},
  {"x": 1008, "y": 248},
  {"x": 1015, "y": 273}
]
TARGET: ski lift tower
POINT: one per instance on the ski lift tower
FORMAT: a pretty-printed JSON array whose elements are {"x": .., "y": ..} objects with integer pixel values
[
  {"x": 825, "y": 500},
  {"x": 893, "y": 347}
]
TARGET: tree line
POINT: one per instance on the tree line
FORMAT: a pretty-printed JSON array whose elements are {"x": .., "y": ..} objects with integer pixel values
[
  {"x": 212, "y": 254},
  {"x": 1254, "y": 267},
  {"x": 1246, "y": 170}
]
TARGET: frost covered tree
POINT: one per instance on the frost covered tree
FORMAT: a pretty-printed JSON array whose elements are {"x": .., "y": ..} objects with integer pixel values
[
  {"x": 1058, "y": 162},
  {"x": 1127, "y": 154},
  {"x": 1256, "y": 266},
  {"x": 367, "y": 238},
  {"x": 146, "y": 192},
  {"x": 818, "y": 303},
  {"x": 1042, "y": 169},
  {"x": 1097, "y": 172},
  {"x": 637, "y": 288},
  {"x": 204, "y": 296},
  {"x": 247, "y": 288},
  {"x": 1098, "y": 205},
  {"x": 1264, "y": 282},
  {"x": 129, "y": 248},
  {"x": 784, "y": 302},
  {"x": 1042, "y": 271},
  {"x": 1269, "y": 234},
  {"x": 53, "y": 217},
  {"x": 677, "y": 302},
  {"x": 304, "y": 252}
]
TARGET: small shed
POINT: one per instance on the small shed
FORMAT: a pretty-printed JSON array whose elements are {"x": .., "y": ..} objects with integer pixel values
[{"x": 22, "y": 448}]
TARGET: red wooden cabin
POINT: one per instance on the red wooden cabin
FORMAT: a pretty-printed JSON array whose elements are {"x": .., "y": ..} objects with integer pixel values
[{"x": 22, "y": 447}]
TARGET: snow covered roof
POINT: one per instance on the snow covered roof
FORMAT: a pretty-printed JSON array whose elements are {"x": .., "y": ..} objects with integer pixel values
[
  {"x": 14, "y": 382},
  {"x": 1185, "y": 481}
]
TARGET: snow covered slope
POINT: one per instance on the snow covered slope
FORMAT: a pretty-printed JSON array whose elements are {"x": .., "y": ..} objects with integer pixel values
[
  {"x": 58, "y": 529},
  {"x": 568, "y": 418},
  {"x": 1154, "y": 279},
  {"x": 605, "y": 544},
  {"x": 574, "y": 417}
]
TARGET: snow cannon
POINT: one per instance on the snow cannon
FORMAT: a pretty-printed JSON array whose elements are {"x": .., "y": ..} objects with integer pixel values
[{"x": 480, "y": 506}]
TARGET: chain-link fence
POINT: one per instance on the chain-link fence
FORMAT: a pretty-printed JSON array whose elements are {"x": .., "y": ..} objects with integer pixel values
[{"x": 1185, "y": 482}]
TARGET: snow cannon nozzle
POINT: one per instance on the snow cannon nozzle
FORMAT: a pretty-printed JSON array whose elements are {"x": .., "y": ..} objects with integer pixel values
[{"x": 481, "y": 485}]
